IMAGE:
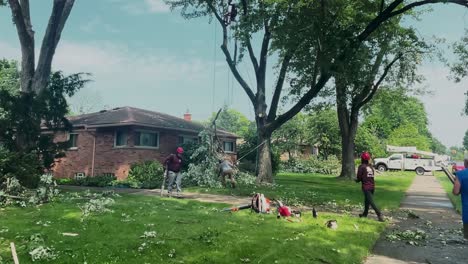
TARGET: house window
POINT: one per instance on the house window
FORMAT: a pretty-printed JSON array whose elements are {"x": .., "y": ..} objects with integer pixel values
[
  {"x": 228, "y": 146},
  {"x": 79, "y": 175},
  {"x": 108, "y": 174},
  {"x": 187, "y": 139},
  {"x": 120, "y": 138},
  {"x": 72, "y": 140},
  {"x": 146, "y": 139}
]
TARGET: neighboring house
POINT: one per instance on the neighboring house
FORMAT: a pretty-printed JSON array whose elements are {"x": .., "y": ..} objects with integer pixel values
[
  {"x": 302, "y": 151},
  {"x": 109, "y": 141}
]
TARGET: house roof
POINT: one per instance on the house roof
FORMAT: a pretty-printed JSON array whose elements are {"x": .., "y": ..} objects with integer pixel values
[{"x": 124, "y": 116}]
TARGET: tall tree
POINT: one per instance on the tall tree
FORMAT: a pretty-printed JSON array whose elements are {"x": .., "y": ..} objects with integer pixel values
[
  {"x": 326, "y": 31},
  {"x": 34, "y": 78},
  {"x": 393, "y": 51}
]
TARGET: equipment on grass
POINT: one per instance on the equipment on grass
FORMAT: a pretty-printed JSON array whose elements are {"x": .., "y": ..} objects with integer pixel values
[
  {"x": 238, "y": 208},
  {"x": 260, "y": 204},
  {"x": 166, "y": 174}
]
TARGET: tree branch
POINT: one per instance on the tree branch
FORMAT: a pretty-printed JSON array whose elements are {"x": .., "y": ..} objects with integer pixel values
[
  {"x": 389, "y": 12},
  {"x": 300, "y": 104},
  {"x": 26, "y": 37},
  {"x": 248, "y": 43},
  {"x": 377, "y": 85},
  {"x": 60, "y": 12},
  {"x": 279, "y": 86},
  {"x": 227, "y": 55}
]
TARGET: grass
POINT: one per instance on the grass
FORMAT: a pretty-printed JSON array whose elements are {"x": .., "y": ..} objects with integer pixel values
[
  {"x": 317, "y": 189},
  {"x": 186, "y": 232},
  {"x": 448, "y": 186}
]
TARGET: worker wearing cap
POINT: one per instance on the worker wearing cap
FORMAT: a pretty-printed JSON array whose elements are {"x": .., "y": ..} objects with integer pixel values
[
  {"x": 173, "y": 165},
  {"x": 365, "y": 175},
  {"x": 460, "y": 186}
]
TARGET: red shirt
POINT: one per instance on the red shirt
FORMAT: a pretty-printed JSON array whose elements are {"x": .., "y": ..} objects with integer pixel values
[
  {"x": 174, "y": 163},
  {"x": 365, "y": 175}
]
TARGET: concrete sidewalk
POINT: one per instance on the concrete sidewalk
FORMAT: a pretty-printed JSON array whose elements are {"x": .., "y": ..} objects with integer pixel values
[
  {"x": 428, "y": 200},
  {"x": 202, "y": 197}
]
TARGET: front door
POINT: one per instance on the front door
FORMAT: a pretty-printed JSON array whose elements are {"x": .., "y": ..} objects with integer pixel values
[{"x": 395, "y": 162}]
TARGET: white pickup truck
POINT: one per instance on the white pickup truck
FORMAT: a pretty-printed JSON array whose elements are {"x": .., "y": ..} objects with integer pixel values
[{"x": 404, "y": 162}]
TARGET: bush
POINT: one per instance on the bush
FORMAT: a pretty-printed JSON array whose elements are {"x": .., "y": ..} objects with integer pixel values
[
  {"x": 23, "y": 166},
  {"x": 96, "y": 181},
  {"x": 313, "y": 165},
  {"x": 127, "y": 183},
  {"x": 247, "y": 179},
  {"x": 149, "y": 174},
  {"x": 66, "y": 181}
]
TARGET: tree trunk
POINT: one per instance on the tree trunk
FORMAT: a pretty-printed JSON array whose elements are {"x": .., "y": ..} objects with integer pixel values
[
  {"x": 348, "y": 122},
  {"x": 348, "y": 129},
  {"x": 264, "y": 169}
]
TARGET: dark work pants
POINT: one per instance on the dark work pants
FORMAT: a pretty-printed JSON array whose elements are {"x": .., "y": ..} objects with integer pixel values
[{"x": 369, "y": 201}]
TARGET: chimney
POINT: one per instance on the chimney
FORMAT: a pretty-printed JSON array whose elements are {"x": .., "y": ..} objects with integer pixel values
[{"x": 188, "y": 116}]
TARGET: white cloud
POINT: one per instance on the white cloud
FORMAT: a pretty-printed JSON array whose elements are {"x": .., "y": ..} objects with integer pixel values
[
  {"x": 145, "y": 6},
  {"x": 157, "y": 6},
  {"x": 96, "y": 24}
]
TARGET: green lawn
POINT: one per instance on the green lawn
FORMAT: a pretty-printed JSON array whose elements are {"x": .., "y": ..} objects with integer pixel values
[
  {"x": 186, "y": 232},
  {"x": 448, "y": 186},
  {"x": 316, "y": 189}
]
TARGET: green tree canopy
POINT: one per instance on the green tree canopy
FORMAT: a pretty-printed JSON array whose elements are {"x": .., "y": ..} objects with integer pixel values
[
  {"x": 408, "y": 135},
  {"x": 465, "y": 140},
  {"x": 9, "y": 76},
  {"x": 323, "y": 130},
  {"x": 392, "y": 108},
  {"x": 233, "y": 121}
]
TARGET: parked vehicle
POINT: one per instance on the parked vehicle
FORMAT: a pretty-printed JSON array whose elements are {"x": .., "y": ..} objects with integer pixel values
[
  {"x": 457, "y": 166},
  {"x": 406, "y": 162}
]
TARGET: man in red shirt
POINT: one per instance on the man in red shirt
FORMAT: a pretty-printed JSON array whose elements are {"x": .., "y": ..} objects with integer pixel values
[
  {"x": 365, "y": 175},
  {"x": 173, "y": 165}
]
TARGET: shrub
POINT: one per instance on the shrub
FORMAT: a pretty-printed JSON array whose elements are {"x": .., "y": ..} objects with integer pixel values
[
  {"x": 313, "y": 165},
  {"x": 97, "y": 181},
  {"x": 23, "y": 166},
  {"x": 204, "y": 171},
  {"x": 127, "y": 183},
  {"x": 243, "y": 178},
  {"x": 66, "y": 181},
  {"x": 149, "y": 174}
]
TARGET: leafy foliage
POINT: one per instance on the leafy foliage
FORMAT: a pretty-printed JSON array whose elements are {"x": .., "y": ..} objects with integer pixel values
[
  {"x": 24, "y": 116},
  {"x": 232, "y": 121},
  {"x": 408, "y": 135},
  {"x": 203, "y": 171},
  {"x": 149, "y": 174},
  {"x": 324, "y": 130},
  {"x": 366, "y": 140},
  {"x": 313, "y": 165},
  {"x": 289, "y": 137}
]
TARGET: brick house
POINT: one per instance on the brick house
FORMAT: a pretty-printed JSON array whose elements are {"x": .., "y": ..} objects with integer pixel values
[{"x": 109, "y": 141}]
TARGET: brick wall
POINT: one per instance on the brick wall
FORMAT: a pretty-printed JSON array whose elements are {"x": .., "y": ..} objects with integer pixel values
[{"x": 110, "y": 159}]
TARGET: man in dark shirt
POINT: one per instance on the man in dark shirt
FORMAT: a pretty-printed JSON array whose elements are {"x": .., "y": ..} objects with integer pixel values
[
  {"x": 365, "y": 175},
  {"x": 461, "y": 187},
  {"x": 173, "y": 165}
]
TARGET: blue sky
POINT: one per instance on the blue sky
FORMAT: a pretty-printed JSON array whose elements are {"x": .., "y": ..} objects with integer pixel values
[{"x": 142, "y": 55}]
